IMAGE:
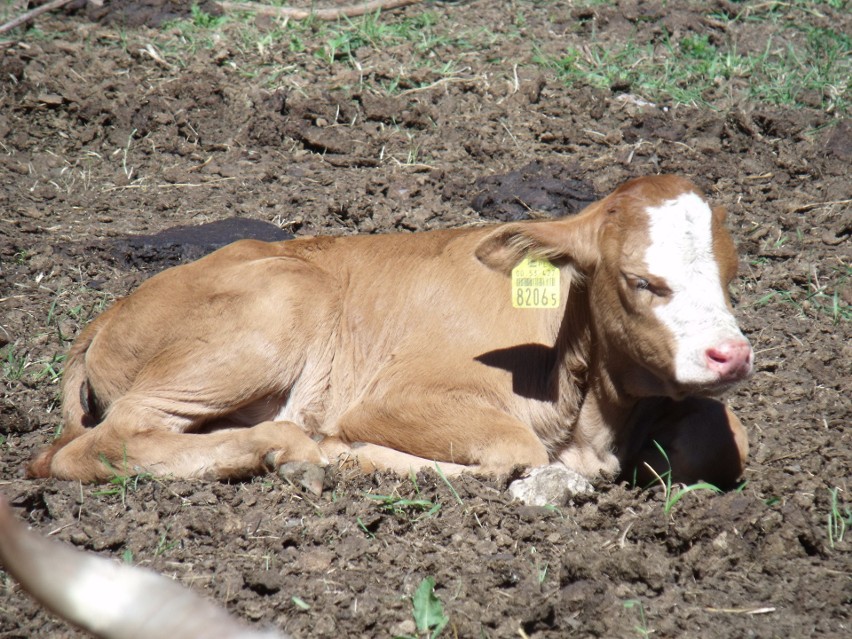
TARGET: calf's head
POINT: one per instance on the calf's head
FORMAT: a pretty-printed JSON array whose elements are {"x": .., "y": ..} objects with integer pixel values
[{"x": 657, "y": 261}]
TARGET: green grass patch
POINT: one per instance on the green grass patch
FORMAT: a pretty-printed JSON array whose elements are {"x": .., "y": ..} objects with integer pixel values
[
  {"x": 839, "y": 519},
  {"x": 400, "y": 506},
  {"x": 801, "y": 62},
  {"x": 275, "y": 50},
  {"x": 671, "y": 494},
  {"x": 50, "y": 368},
  {"x": 345, "y": 37},
  {"x": 14, "y": 363},
  {"x": 164, "y": 545},
  {"x": 798, "y": 64},
  {"x": 19, "y": 366},
  {"x": 541, "y": 567},
  {"x": 428, "y": 611},
  {"x": 443, "y": 477},
  {"x": 641, "y": 628},
  {"x": 821, "y": 297},
  {"x": 121, "y": 481}
]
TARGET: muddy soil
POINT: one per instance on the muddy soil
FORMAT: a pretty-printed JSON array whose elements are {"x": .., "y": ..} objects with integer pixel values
[{"x": 101, "y": 140}]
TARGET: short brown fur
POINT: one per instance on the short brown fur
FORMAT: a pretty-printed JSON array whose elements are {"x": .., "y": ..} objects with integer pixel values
[{"x": 231, "y": 365}]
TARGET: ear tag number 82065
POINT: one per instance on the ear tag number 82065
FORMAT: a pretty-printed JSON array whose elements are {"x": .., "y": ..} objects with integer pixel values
[{"x": 535, "y": 284}]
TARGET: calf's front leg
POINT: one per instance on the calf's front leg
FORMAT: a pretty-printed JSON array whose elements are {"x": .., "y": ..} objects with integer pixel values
[{"x": 401, "y": 435}]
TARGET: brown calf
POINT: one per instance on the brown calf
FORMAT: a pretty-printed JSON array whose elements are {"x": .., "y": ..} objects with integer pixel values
[{"x": 401, "y": 349}]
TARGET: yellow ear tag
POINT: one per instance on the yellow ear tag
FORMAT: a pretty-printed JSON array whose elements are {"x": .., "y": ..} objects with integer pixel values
[{"x": 535, "y": 284}]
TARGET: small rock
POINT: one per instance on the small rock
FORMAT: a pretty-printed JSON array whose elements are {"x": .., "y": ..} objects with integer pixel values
[
  {"x": 708, "y": 145},
  {"x": 203, "y": 498},
  {"x": 762, "y": 453},
  {"x": 50, "y": 99},
  {"x": 721, "y": 541},
  {"x": 67, "y": 329},
  {"x": 315, "y": 560},
  {"x": 553, "y": 484},
  {"x": 405, "y": 628},
  {"x": 79, "y": 538},
  {"x": 221, "y": 56}
]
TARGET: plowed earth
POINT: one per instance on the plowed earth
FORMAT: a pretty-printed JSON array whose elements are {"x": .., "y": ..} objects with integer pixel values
[{"x": 101, "y": 141}]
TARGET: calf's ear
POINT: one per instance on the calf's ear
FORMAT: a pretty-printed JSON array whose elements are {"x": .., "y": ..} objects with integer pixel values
[
  {"x": 574, "y": 241},
  {"x": 502, "y": 249}
]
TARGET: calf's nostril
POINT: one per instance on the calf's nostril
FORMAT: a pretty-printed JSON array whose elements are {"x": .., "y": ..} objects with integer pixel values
[
  {"x": 716, "y": 355},
  {"x": 730, "y": 359}
]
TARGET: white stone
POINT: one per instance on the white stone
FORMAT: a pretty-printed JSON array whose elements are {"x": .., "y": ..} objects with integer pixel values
[{"x": 553, "y": 485}]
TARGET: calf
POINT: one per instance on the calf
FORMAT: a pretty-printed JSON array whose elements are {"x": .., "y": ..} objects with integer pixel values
[{"x": 397, "y": 350}]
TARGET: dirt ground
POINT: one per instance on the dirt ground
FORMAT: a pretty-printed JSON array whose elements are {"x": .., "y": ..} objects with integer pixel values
[{"x": 103, "y": 138}]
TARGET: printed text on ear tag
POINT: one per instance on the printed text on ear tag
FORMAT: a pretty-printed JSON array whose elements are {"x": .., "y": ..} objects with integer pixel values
[{"x": 535, "y": 284}]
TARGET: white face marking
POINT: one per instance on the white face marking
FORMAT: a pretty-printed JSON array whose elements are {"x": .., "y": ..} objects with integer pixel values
[{"x": 681, "y": 252}]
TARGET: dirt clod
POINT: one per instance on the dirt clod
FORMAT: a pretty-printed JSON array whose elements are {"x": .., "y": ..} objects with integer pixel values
[
  {"x": 181, "y": 244},
  {"x": 538, "y": 189}
]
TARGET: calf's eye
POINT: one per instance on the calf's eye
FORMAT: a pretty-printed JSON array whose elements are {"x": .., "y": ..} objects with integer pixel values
[{"x": 639, "y": 283}]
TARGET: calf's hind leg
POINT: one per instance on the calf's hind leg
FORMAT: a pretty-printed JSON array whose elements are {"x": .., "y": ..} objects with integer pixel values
[
  {"x": 150, "y": 433},
  {"x": 702, "y": 438}
]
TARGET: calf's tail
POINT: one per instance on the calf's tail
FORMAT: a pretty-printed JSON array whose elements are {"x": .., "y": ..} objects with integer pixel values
[{"x": 108, "y": 599}]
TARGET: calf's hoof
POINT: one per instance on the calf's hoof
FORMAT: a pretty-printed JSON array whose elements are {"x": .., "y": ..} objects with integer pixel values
[{"x": 304, "y": 474}]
